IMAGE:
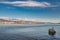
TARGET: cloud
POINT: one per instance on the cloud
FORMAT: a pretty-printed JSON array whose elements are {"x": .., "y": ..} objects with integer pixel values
[
  {"x": 40, "y": 20},
  {"x": 28, "y": 3},
  {"x": 26, "y": 19},
  {"x": 49, "y": 20},
  {"x": 6, "y": 18},
  {"x": 16, "y": 19},
  {"x": 31, "y": 19}
]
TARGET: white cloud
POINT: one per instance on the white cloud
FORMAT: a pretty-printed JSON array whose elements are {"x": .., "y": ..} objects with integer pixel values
[
  {"x": 49, "y": 20},
  {"x": 32, "y": 19},
  {"x": 26, "y": 19},
  {"x": 29, "y": 3},
  {"x": 17, "y": 19},
  {"x": 40, "y": 20},
  {"x": 6, "y": 18}
]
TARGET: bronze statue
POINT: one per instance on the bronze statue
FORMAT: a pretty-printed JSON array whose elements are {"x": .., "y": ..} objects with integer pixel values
[{"x": 51, "y": 31}]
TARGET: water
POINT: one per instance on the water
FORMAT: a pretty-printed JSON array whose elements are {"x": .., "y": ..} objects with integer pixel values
[{"x": 28, "y": 32}]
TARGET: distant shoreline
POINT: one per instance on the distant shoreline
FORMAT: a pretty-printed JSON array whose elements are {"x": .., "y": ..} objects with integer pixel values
[{"x": 25, "y": 24}]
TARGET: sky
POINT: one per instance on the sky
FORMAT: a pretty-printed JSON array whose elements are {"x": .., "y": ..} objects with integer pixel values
[{"x": 39, "y": 10}]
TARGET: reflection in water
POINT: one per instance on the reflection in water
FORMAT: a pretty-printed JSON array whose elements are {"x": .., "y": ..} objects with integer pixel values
[{"x": 30, "y": 32}]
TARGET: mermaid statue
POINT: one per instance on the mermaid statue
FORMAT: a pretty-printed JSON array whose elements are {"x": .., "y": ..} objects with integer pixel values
[{"x": 51, "y": 31}]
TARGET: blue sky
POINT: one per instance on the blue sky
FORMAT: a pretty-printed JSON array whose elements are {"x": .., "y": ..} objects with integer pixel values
[{"x": 34, "y": 9}]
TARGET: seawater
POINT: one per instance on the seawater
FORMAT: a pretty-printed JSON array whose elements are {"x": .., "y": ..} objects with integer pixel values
[{"x": 28, "y": 31}]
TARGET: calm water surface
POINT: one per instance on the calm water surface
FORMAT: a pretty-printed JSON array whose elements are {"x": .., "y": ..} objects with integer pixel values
[{"x": 28, "y": 32}]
